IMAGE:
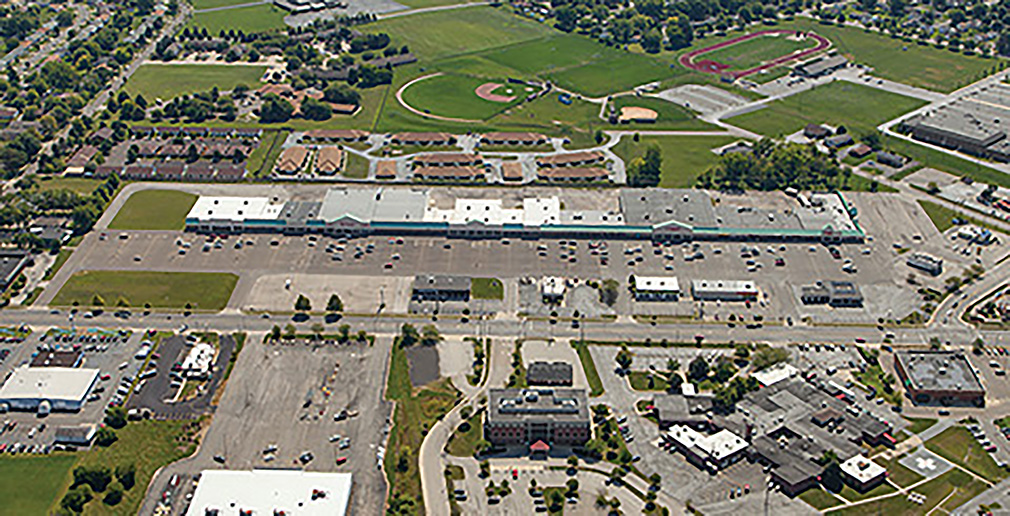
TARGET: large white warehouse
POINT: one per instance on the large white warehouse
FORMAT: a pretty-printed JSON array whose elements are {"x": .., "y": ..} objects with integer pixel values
[{"x": 47, "y": 388}]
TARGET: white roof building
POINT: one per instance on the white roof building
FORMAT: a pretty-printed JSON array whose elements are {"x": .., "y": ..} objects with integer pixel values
[
  {"x": 552, "y": 286},
  {"x": 270, "y": 492},
  {"x": 64, "y": 388},
  {"x": 717, "y": 449},
  {"x": 775, "y": 374},
  {"x": 235, "y": 209},
  {"x": 199, "y": 360},
  {"x": 656, "y": 283},
  {"x": 729, "y": 290},
  {"x": 863, "y": 470}
]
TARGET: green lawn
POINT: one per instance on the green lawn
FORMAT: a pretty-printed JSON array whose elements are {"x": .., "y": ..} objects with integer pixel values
[
  {"x": 167, "y": 81},
  {"x": 203, "y": 290},
  {"x": 958, "y": 446},
  {"x": 819, "y": 498},
  {"x": 852, "y": 495},
  {"x": 623, "y": 73},
  {"x": 210, "y": 4},
  {"x": 753, "y": 52},
  {"x": 81, "y": 185},
  {"x": 874, "y": 377},
  {"x": 671, "y": 116},
  {"x": 557, "y": 52},
  {"x": 261, "y": 161},
  {"x": 464, "y": 439},
  {"x": 891, "y": 58},
  {"x": 838, "y": 103},
  {"x": 355, "y": 167},
  {"x": 919, "y": 424},
  {"x": 589, "y": 366},
  {"x": 257, "y": 18},
  {"x": 935, "y": 490},
  {"x": 899, "y": 474},
  {"x": 942, "y": 217},
  {"x": 453, "y": 96},
  {"x": 154, "y": 209},
  {"x": 487, "y": 288},
  {"x": 439, "y": 34},
  {"x": 31, "y": 484},
  {"x": 415, "y": 413},
  {"x": 61, "y": 257},
  {"x": 684, "y": 157},
  {"x": 640, "y": 381},
  {"x": 945, "y": 162}
]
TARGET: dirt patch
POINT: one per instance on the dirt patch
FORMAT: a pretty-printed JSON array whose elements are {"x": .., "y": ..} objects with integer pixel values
[
  {"x": 486, "y": 92},
  {"x": 423, "y": 365}
]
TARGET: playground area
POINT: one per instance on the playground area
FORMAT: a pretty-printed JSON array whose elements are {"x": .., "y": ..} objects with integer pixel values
[{"x": 755, "y": 52}]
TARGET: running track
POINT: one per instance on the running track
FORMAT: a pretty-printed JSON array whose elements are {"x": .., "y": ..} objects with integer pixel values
[{"x": 687, "y": 60}]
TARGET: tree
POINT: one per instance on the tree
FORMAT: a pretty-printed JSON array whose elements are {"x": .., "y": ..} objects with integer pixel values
[
  {"x": 96, "y": 478},
  {"x": 609, "y": 291},
  {"x": 302, "y": 304},
  {"x": 652, "y": 41},
  {"x": 646, "y": 171},
  {"x": 289, "y": 331},
  {"x": 105, "y": 437},
  {"x": 313, "y": 109},
  {"x": 430, "y": 335},
  {"x": 831, "y": 478},
  {"x": 97, "y": 300},
  {"x": 334, "y": 304},
  {"x": 317, "y": 330},
  {"x": 74, "y": 500},
  {"x": 624, "y": 358},
  {"x": 672, "y": 364},
  {"x": 767, "y": 357},
  {"x": 114, "y": 496},
  {"x": 343, "y": 333},
  {"x": 698, "y": 369},
  {"x": 1003, "y": 43},
  {"x": 275, "y": 333},
  {"x": 408, "y": 335},
  {"x": 573, "y": 461},
  {"x": 127, "y": 475},
  {"x": 116, "y": 417},
  {"x": 341, "y": 94},
  {"x": 275, "y": 109}
]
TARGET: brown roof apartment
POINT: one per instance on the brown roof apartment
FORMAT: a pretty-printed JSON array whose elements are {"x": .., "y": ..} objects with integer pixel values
[
  {"x": 512, "y": 171},
  {"x": 423, "y": 139},
  {"x": 513, "y": 139},
  {"x": 329, "y": 160},
  {"x": 385, "y": 169},
  {"x": 447, "y": 159},
  {"x": 346, "y": 135},
  {"x": 570, "y": 159},
  {"x": 449, "y": 173},
  {"x": 292, "y": 160},
  {"x": 574, "y": 174}
]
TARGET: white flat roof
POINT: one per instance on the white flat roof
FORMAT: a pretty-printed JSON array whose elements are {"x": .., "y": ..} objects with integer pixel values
[
  {"x": 234, "y": 208},
  {"x": 656, "y": 284},
  {"x": 862, "y": 469},
  {"x": 775, "y": 374},
  {"x": 267, "y": 491},
  {"x": 733, "y": 286},
  {"x": 716, "y": 446},
  {"x": 48, "y": 383}
]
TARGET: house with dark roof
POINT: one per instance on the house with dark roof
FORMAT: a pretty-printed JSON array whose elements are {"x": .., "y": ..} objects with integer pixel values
[{"x": 815, "y": 131}]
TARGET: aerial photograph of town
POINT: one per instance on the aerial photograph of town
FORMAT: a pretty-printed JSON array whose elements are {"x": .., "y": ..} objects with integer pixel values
[{"x": 504, "y": 257}]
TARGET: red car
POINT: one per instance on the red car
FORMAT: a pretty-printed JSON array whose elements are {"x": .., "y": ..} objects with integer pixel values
[
  {"x": 341, "y": 460},
  {"x": 515, "y": 473}
]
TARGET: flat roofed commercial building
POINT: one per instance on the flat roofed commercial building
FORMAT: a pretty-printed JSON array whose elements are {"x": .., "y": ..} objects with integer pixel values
[
  {"x": 834, "y": 293},
  {"x": 862, "y": 473},
  {"x": 526, "y": 416},
  {"x": 271, "y": 492},
  {"x": 939, "y": 378},
  {"x": 820, "y": 66},
  {"x": 655, "y": 288},
  {"x": 47, "y": 388},
  {"x": 436, "y": 287},
  {"x": 975, "y": 124},
  {"x": 724, "y": 290},
  {"x": 12, "y": 262},
  {"x": 712, "y": 452},
  {"x": 551, "y": 374}
]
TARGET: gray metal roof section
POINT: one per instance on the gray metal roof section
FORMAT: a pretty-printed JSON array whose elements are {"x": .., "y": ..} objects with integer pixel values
[{"x": 939, "y": 371}]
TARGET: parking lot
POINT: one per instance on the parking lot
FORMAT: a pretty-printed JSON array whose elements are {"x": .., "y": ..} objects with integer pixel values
[
  {"x": 283, "y": 409},
  {"x": 160, "y": 391},
  {"x": 111, "y": 352}
]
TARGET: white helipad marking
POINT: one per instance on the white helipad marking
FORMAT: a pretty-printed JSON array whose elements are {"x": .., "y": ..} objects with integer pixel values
[{"x": 925, "y": 463}]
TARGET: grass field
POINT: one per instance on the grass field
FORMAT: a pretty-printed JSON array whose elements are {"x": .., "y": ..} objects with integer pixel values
[
  {"x": 671, "y": 116},
  {"x": 838, "y": 103},
  {"x": 623, "y": 73},
  {"x": 80, "y": 185},
  {"x": 684, "y": 157},
  {"x": 31, "y": 484},
  {"x": 355, "y": 167},
  {"x": 552, "y": 53},
  {"x": 257, "y": 18},
  {"x": 852, "y": 495},
  {"x": 416, "y": 411},
  {"x": 459, "y": 31},
  {"x": 957, "y": 445},
  {"x": 464, "y": 439},
  {"x": 169, "y": 81},
  {"x": 589, "y": 366},
  {"x": 752, "y": 52},
  {"x": 154, "y": 209},
  {"x": 943, "y": 217},
  {"x": 453, "y": 96},
  {"x": 946, "y": 162},
  {"x": 204, "y": 290},
  {"x": 819, "y": 498},
  {"x": 640, "y": 381},
  {"x": 61, "y": 257},
  {"x": 210, "y": 4},
  {"x": 909, "y": 63},
  {"x": 487, "y": 288},
  {"x": 935, "y": 490},
  {"x": 919, "y": 424}
]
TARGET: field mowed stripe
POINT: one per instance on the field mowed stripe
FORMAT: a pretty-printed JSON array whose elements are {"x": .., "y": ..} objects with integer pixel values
[
  {"x": 454, "y": 96},
  {"x": 684, "y": 157},
  {"x": 154, "y": 210},
  {"x": 438, "y": 34},
  {"x": 257, "y": 18},
  {"x": 623, "y": 73},
  {"x": 838, "y": 103},
  {"x": 167, "y": 81},
  {"x": 750, "y": 53},
  {"x": 202, "y": 290},
  {"x": 31, "y": 484}
]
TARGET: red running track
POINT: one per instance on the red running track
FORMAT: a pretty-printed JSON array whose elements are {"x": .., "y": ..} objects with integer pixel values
[{"x": 709, "y": 66}]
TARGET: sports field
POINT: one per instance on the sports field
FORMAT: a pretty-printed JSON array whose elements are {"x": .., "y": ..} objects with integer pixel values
[
  {"x": 897, "y": 60},
  {"x": 211, "y": 4},
  {"x": 169, "y": 81},
  {"x": 203, "y": 290},
  {"x": 154, "y": 209},
  {"x": 838, "y": 103},
  {"x": 440, "y": 34},
  {"x": 257, "y": 18},
  {"x": 623, "y": 73},
  {"x": 671, "y": 116},
  {"x": 684, "y": 157},
  {"x": 31, "y": 484},
  {"x": 547, "y": 54},
  {"x": 453, "y": 96},
  {"x": 753, "y": 52}
]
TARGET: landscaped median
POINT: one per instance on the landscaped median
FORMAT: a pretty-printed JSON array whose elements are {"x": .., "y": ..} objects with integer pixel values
[{"x": 157, "y": 290}]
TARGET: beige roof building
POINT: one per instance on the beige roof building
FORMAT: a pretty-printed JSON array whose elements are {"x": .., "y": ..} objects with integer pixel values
[
  {"x": 329, "y": 160},
  {"x": 292, "y": 160}
]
